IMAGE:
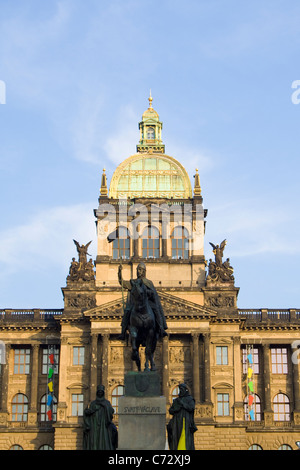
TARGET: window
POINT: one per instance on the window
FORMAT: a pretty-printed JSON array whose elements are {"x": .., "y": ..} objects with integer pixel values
[
  {"x": 255, "y": 447},
  {"x": 255, "y": 360},
  {"x": 16, "y": 447},
  {"x": 78, "y": 355},
  {"x": 279, "y": 360},
  {"x": 46, "y": 447},
  {"x": 150, "y": 133},
  {"x": 180, "y": 243},
  {"x": 281, "y": 407},
  {"x": 121, "y": 243},
  {"x": 19, "y": 407},
  {"x": 285, "y": 447},
  {"x": 46, "y": 359},
  {"x": 116, "y": 394},
  {"x": 44, "y": 408},
  {"x": 22, "y": 361},
  {"x": 223, "y": 404},
  {"x": 255, "y": 406},
  {"x": 150, "y": 243},
  {"x": 77, "y": 404},
  {"x": 222, "y": 355}
]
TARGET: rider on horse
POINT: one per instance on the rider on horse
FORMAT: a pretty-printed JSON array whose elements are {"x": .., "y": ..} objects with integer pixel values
[{"x": 153, "y": 299}]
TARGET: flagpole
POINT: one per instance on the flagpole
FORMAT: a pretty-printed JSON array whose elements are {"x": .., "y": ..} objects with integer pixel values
[{"x": 121, "y": 275}]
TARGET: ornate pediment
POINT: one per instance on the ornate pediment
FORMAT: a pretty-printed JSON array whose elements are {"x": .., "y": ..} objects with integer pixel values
[{"x": 173, "y": 307}]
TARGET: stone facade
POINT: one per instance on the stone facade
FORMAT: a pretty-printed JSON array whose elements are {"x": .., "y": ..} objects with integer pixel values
[{"x": 207, "y": 336}]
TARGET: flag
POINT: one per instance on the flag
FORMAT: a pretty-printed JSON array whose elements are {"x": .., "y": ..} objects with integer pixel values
[
  {"x": 50, "y": 386},
  {"x": 51, "y": 357},
  {"x": 251, "y": 399},
  {"x": 250, "y": 385},
  {"x": 49, "y": 401},
  {"x": 250, "y": 372},
  {"x": 49, "y": 414},
  {"x": 251, "y": 414},
  {"x": 249, "y": 357},
  {"x": 182, "y": 443},
  {"x": 50, "y": 373}
]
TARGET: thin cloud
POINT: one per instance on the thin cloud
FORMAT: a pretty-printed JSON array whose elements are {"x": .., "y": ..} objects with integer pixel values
[
  {"x": 251, "y": 229},
  {"x": 47, "y": 239}
]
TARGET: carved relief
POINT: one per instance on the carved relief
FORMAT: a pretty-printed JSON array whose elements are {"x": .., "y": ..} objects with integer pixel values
[
  {"x": 204, "y": 411},
  {"x": 220, "y": 301},
  {"x": 81, "y": 301},
  {"x": 179, "y": 355}
]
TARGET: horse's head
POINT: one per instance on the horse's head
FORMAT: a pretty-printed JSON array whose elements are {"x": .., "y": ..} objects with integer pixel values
[{"x": 138, "y": 290}]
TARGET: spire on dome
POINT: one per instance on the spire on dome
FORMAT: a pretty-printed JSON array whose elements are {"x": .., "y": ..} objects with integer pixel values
[
  {"x": 150, "y": 131},
  {"x": 197, "y": 187},
  {"x": 150, "y": 100},
  {"x": 103, "y": 190}
]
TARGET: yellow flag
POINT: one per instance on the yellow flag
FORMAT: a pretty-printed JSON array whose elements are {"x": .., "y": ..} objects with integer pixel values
[
  {"x": 250, "y": 372},
  {"x": 50, "y": 386},
  {"x": 181, "y": 443}
]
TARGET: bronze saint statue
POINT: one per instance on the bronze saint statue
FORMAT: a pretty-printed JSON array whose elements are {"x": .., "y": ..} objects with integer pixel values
[
  {"x": 181, "y": 427},
  {"x": 99, "y": 432},
  {"x": 143, "y": 315}
]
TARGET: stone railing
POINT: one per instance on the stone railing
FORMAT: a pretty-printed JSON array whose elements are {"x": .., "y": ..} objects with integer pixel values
[
  {"x": 258, "y": 315},
  {"x": 25, "y": 315}
]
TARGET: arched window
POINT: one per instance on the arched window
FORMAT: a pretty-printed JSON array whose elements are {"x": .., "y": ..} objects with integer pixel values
[
  {"x": 121, "y": 243},
  {"x": 46, "y": 447},
  {"x": 255, "y": 447},
  {"x": 175, "y": 392},
  {"x": 19, "y": 407},
  {"x": 116, "y": 394},
  {"x": 180, "y": 243},
  {"x": 281, "y": 405},
  {"x": 255, "y": 405},
  {"x": 150, "y": 242},
  {"x": 16, "y": 447},
  {"x": 44, "y": 408},
  {"x": 285, "y": 447}
]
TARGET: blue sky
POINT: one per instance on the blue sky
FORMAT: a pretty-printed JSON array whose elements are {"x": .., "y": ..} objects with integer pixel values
[{"x": 77, "y": 78}]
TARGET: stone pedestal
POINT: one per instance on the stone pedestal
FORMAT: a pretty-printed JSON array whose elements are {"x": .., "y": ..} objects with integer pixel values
[{"x": 142, "y": 413}]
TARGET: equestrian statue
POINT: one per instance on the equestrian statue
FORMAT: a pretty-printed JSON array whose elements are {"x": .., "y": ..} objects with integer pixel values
[{"x": 143, "y": 316}]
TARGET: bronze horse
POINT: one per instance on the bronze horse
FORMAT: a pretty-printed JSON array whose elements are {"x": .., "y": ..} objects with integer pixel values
[{"x": 142, "y": 326}]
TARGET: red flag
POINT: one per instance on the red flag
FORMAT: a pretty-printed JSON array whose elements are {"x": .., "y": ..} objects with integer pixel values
[
  {"x": 51, "y": 357},
  {"x": 49, "y": 414},
  {"x": 251, "y": 398}
]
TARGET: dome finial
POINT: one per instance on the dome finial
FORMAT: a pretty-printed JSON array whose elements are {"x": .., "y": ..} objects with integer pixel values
[{"x": 150, "y": 100}]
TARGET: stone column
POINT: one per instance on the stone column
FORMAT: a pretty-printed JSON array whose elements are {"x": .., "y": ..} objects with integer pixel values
[
  {"x": 93, "y": 365},
  {"x": 268, "y": 413},
  {"x": 196, "y": 367},
  {"x": 104, "y": 375},
  {"x": 5, "y": 379},
  {"x": 238, "y": 393},
  {"x": 34, "y": 377},
  {"x": 207, "y": 390},
  {"x": 296, "y": 378},
  {"x": 32, "y": 413},
  {"x": 135, "y": 248},
  {"x": 4, "y": 388},
  {"x": 165, "y": 372}
]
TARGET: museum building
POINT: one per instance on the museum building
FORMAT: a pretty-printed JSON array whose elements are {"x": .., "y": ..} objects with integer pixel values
[{"x": 240, "y": 365}]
